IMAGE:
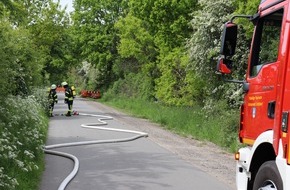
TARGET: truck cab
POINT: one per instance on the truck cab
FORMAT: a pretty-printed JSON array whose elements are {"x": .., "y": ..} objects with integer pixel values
[{"x": 264, "y": 161}]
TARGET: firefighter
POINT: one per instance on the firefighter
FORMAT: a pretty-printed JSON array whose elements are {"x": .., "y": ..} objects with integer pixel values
[
  {"x": 68, "y": 99},
  {"x": 52, "y": 98}
]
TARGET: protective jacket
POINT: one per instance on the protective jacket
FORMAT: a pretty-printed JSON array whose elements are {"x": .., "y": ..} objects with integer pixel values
[
  {"x": 68, "y": 99},
  {"x": 68, "y": 94},
  {"x": 52, "y": 98}
]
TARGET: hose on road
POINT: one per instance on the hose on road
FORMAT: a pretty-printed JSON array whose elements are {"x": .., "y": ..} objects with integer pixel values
[{"x": 101, "y": 122}]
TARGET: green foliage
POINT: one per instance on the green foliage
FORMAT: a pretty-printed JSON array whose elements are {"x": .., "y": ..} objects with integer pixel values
[
  {"x": 168, "y": 20},
  {"x": 96, "y": 37},
  {"x": 7, "y": 60},
  {"x": 204, "y": 44},
  {"x": 247, "y": 7},
  {"x": 152, "y": 37},
  {"x": 23, "y": 127},
  {"x": 204, "y": 51},
  {"x": 146, "y": 38},
  {"x": 133, "y": 85},
  {"x": 49, "y": 28},
  {"x": 136, "y": 47},
  {"x": 18, "y": 57},
  {"x": 172, "y": 86},
  {"x": 34, "y": 43},
  {"x": 13, "y": 10}
]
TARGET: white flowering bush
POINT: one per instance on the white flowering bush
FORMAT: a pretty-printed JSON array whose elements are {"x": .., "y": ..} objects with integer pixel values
[
  {"x": 207, "y": 25},
  {"x": 23, "y": 127},
  {"x": 204, "y": 46}
]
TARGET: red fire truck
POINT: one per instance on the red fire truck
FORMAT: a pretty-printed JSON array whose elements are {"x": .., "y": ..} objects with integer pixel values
[{"x": 264, "y": 162}]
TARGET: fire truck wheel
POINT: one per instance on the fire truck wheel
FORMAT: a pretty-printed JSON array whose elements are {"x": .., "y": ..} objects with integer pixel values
[{"x": 268, "y": 177}]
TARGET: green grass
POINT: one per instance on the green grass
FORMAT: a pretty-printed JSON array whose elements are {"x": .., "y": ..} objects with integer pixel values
[
  {"x": 193, "y": 122},
  {"x": 31, "y": 180}
]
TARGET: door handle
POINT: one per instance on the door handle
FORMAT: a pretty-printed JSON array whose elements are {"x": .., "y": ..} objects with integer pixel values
[{"x": 271, "y": 109}]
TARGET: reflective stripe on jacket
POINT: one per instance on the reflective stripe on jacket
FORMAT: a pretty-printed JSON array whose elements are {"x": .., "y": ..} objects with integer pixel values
[{"x": 68, "y": 94}]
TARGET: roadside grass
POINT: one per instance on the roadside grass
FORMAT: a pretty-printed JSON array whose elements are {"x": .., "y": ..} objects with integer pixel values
[
  {"x": 218, "y": 127},
  {"x": 30, "y": 180}
]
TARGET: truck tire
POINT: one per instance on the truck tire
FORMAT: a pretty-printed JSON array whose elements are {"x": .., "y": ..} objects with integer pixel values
[{"x": 268, "y": 177}]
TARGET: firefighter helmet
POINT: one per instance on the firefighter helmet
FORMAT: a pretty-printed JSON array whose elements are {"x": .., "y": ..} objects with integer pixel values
[
  {"x": 53, "y": 87},
  {"x": 63, "y": 83}
]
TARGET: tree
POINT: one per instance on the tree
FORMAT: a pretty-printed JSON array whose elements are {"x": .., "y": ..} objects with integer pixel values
[
  {"x": 151, "y": 40},
  {"x": 171, "y": 85},
  {"x": 136, "y": 47},
  {"x": 50, "y": 29},
  {"x": 96, "y": 36},
  {"x": 247, "y": 7},
  {"x": 168, "y": 20},
  {"x": 204, "y": 45},
  {"x": 18, "y": 57},
  {"x": 12, "y": 9}
]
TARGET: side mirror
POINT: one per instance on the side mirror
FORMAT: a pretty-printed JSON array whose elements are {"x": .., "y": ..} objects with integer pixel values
[
  {"x": 224, "y": 66},
  {"x": 229, "y": 39}
]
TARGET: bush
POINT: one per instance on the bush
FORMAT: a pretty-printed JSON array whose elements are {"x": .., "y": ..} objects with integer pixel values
[
  {"x": 134, "y": 85},
  {"x": 23, "y": 126}
]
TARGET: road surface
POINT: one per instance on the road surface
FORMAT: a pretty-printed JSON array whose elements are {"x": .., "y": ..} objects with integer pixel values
[{"x": 140, "y": 164}]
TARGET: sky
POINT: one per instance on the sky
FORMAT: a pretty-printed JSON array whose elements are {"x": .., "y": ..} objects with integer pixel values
[{"x": 69, "y": 4}]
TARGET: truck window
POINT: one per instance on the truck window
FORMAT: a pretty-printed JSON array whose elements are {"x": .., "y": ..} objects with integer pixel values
[{"x": 266, "y": 41}]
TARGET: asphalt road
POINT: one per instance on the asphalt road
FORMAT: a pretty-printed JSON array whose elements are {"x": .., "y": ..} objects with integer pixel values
[{"x": 140, "y": 164}]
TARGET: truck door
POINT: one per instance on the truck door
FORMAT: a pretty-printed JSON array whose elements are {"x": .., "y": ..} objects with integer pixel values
[
  {"x": 263, "y": 76},
  {"x": 284, "y": 125}
]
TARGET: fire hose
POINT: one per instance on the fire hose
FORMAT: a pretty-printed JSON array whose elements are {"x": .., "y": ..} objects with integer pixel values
[{"x": 101, "y": 122}]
